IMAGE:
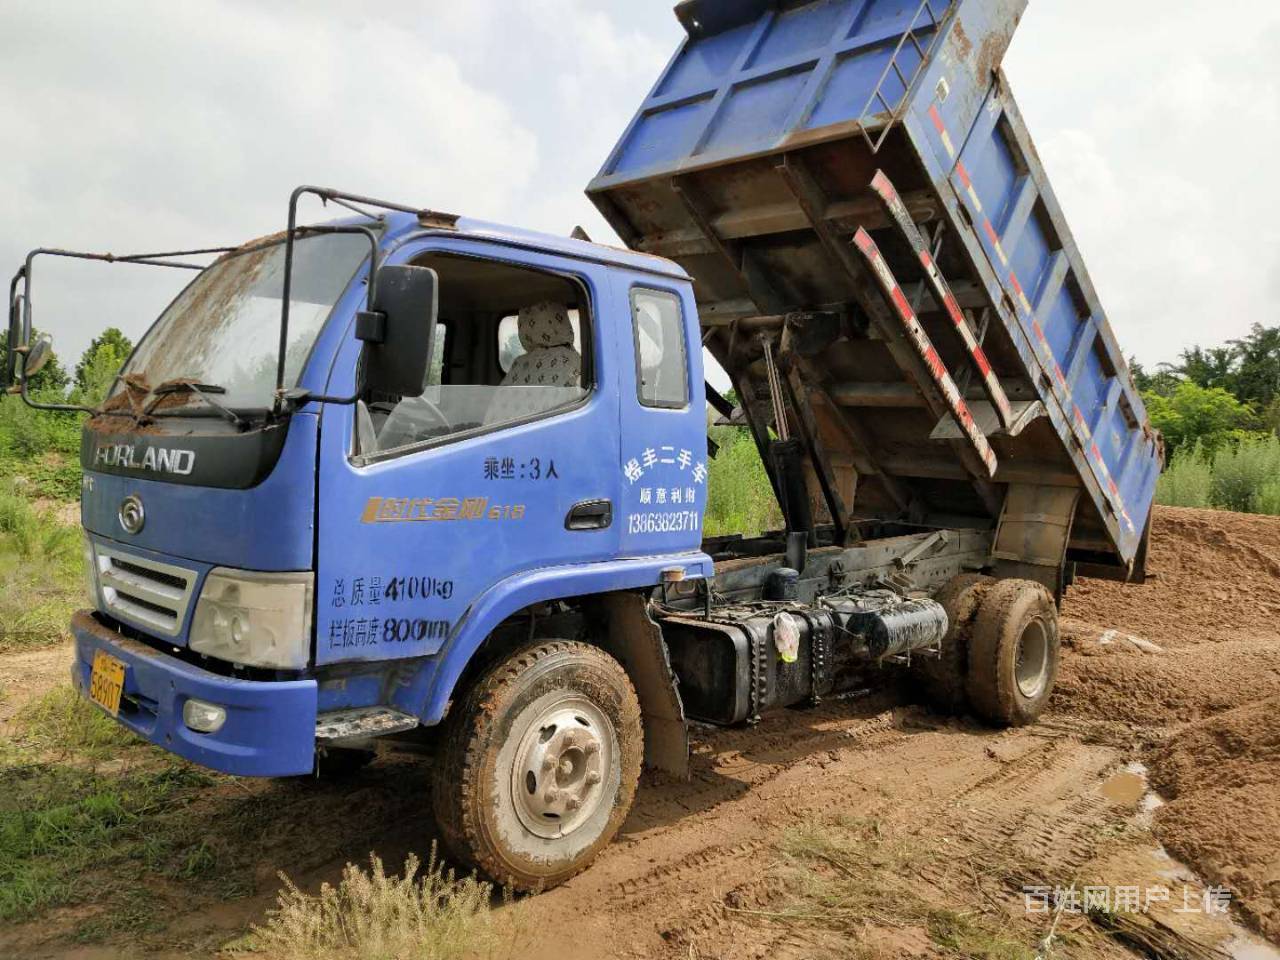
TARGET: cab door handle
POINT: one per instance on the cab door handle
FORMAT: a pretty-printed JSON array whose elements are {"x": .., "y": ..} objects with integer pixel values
[{"x": 590, "y": 515}]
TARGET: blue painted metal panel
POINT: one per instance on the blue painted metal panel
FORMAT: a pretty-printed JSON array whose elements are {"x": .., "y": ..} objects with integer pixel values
[
  {"x": 428, "y": 695},
  {"x": 775, "y": 78},
  {"x": 267, "y": 527},
  {"x": 1042, "y": 291},
  {"x": 569, "y": 458},
  {"x": 731, "y": 94},
  {"x": 270, "y": 726}
]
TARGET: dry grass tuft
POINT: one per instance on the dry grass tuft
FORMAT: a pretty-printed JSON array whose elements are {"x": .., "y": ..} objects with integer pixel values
[
  {"x": 847, "y": 874},
  {"x": 425, "y": 914}
]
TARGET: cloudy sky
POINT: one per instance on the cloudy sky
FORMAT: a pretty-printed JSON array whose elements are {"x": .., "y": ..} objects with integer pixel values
[{"x": 150, "y": 125}]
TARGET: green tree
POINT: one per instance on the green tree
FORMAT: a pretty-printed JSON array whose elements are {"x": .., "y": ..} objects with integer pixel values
[
  {"x": 1256, "y": 377},
  {"x": 1163, "y": 382},
  {"x": 1207, "y": 367},
  {"x": 99, "y": 365},
  {"x": 1271, "y": 417},
  {"x": 1209, "y": 416}
]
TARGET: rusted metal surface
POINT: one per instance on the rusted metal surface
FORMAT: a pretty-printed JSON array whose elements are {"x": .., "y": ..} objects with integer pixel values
[
  {"x": 84, "y": 620},
  {"x": 636, "y": 639},
  {"x": 901, "y": 218},
  {"x": 916, "y": 335},
  {"x": 798, "y": 390}
]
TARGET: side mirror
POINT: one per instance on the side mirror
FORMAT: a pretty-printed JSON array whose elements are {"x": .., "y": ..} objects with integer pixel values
[
  {"x": 399, "y": 332},
  {"x": 40, "y": 353}
]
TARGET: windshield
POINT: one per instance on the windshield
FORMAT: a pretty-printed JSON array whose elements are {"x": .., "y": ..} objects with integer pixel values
[{"x": 224, "y": 329}]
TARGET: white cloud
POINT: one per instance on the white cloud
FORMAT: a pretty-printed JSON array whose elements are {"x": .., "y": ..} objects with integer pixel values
[
  {"x": 1157, "y": 128},
  {"x": 145, "y": 124},
  {"x": 171, "y": 125}
]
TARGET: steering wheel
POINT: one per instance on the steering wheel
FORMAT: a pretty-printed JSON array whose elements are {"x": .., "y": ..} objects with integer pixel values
[{"x": 406, "y": 422}]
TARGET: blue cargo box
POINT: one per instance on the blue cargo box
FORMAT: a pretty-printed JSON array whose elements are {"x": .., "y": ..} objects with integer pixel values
[{"x": 972, "y": 354}]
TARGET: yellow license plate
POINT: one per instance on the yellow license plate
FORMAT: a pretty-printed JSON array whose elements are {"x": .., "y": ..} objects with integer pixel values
[{"x": 106, "y": 683}]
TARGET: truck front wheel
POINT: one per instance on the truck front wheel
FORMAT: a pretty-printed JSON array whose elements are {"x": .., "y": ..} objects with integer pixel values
[
  {"x": 540, "y": 764},
  {"x": 1013, "y": 653}
]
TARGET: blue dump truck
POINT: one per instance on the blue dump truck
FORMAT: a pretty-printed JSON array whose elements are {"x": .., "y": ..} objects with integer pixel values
[{"x": 410, "y": 479}]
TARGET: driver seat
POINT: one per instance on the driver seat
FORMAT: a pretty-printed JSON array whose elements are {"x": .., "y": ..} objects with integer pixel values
[{"x": 549, "y": 360}]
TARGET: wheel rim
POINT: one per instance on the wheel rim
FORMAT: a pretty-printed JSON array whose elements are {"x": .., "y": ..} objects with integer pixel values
[
  {"x": 565, "y": 756},
  {"x": 1031, "y": 668}
]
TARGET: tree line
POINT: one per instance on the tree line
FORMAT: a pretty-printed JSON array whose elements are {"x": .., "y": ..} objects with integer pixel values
[
  {"x": 1219, "y": 411},
  {"x": 1215, "y": 396}
]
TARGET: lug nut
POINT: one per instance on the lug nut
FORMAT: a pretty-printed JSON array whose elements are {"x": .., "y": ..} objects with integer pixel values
[
  {"x": 551, "y": 796},
  {"x": 573, "y": 803},
  {"x": 593, "y": 778},
  {"x": 592, "y": 748}
]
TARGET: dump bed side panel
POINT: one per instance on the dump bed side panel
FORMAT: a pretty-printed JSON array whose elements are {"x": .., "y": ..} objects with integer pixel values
[
  {"x": 988, "y": 174},
  {"x": 751, "y": 164}
]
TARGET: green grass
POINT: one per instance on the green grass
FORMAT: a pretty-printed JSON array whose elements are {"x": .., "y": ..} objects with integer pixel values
[
  {"x": 1188, "y": 481},
  {"x": 62, "y": 721},
  {"x": 40, "y": 572},
  {"x": 63, "y": 824},
  {"x": 1243, "y": 476},
  {"x": 740, "y": 499},
  {"x": 27, "y": 434},
  {"x": 1241, "y": 471}
]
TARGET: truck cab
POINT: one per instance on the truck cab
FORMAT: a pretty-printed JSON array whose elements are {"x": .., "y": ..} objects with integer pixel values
[{"x": 557, "y": 449}]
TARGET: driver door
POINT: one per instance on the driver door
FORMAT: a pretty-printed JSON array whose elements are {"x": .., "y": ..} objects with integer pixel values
[{"x": 488, "y": 485}]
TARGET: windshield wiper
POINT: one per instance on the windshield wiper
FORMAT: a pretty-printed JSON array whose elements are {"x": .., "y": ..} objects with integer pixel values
[{"x": 204, "y": 391}]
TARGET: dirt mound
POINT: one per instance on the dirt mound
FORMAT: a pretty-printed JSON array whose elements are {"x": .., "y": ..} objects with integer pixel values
[
  {"x": 1212, "y": 603},
  {"x": 1207, "y": 700},
  {"x": 1222, "y": 778},
  {"x": 1215, "y": 576},
  {"x": 1119, "y": 682}
]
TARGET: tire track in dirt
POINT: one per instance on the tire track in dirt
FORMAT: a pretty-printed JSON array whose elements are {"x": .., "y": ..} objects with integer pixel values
[{"x": 682, "y": 882}]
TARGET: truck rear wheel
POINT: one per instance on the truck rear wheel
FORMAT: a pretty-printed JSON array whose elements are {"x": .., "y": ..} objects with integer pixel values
[
  {"x": 540, "y": 764},
  {"x": 944, "y": 678},
  {"x": 1013, "y": 653}
]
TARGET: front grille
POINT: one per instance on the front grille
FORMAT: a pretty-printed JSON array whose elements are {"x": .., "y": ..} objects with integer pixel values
[{"x": 151, "y": 595}]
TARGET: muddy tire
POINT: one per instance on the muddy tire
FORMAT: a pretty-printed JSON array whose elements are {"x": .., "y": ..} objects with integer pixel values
[
  {"x": 1013, "y": 653},
  {"x": 539, "y": 765},
  {"x": 944, "y": 679}
]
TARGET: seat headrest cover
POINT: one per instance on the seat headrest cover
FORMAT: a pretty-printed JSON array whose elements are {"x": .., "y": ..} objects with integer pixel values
[{"x": 545, "y": 325}]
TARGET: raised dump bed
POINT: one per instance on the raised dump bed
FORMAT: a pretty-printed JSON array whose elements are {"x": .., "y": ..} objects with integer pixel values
[{"x": 885, "y": 273}]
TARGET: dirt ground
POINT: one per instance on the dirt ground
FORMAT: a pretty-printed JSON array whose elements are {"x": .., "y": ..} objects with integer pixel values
[{"x": 698, "y": 871}]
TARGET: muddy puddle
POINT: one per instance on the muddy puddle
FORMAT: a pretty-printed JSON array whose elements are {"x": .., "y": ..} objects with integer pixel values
[{"x": 1189, "y": 894}]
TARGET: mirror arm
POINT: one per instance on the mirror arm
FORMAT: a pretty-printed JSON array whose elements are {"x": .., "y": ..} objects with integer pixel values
[
  {"x": 297, "y": 397},
  {"x": 286, "y": 291},
  {"x": 55, "y": 407}
]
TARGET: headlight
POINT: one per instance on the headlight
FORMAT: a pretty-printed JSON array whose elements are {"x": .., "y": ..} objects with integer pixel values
[
  {"x": 255, "y": 619},
  {"x": 90, "y": 573}
]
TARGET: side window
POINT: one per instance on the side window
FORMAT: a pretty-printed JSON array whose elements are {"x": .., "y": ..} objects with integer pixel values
[
  {"x": 512, "y": 345},
  {"x": 661, "y": 368}
]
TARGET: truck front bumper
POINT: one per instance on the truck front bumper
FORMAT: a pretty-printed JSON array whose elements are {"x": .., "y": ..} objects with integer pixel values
[{"x": 270, "y": 728}]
